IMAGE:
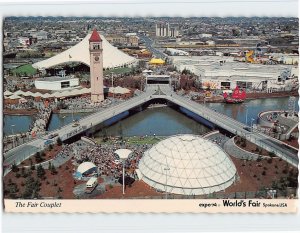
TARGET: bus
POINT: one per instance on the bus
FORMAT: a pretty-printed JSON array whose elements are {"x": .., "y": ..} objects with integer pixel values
[{"x": 91, "y": 184}]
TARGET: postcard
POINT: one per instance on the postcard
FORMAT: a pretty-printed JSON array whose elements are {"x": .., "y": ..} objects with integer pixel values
[{"x": 106, "y": 114}]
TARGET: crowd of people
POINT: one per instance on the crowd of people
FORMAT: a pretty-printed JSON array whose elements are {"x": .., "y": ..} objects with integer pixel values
[
  {"x": 11, "y": 83},
  {"x": 84, "y": 102},
  {"x": 41, "y": 119},
  {"x": 108, "y": 163}
]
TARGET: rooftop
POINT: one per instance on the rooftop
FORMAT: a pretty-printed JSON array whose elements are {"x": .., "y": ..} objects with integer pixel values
[
  {"x": 56, "y": 78},
  {"x": 95, "y": 37},
  {"x": 192, "y": 164},
  {"x": 209, "y": 66}
]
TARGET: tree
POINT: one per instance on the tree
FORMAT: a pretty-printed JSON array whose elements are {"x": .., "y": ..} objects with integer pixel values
[
  {"x": 40, "y": 171},
  {"x": 14, "y": 167},
  {"x": 38, "y": 157},
  {"x": 53, "y": 170},
  {"x": 59, "y": 141},
  {"x": 50, "y": 147}
]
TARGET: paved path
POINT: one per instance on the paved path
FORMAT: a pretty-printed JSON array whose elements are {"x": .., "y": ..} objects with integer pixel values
[{"x": 232, "y": 149}]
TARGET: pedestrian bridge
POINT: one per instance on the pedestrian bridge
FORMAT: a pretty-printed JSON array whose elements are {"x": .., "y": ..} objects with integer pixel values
[{"x": 161, "y": 91}]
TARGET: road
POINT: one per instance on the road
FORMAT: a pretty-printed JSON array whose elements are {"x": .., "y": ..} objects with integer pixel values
[
  {"x": 20, "y": 153},
  {"x": 149, "y": 45}
]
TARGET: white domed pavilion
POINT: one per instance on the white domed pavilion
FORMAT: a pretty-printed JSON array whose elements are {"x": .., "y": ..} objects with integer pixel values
[{"x": 187, "y": 165}]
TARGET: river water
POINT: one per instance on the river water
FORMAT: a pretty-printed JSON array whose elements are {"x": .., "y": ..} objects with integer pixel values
[
  {"x": 160, "y": 121},
  {"x": 251, "y": 108},
  {"x": 16, "y": 124}
]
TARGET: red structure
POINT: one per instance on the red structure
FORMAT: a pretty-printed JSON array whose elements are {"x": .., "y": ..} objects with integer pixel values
[
  {"x": 238, "y": 96},
  {"x": 95, "y": 37}
]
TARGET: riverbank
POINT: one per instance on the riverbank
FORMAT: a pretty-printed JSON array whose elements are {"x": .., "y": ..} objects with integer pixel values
[
  {"x": 250, "y": 96},
  {"x": 259, "y": 95},
  {"x": 70, "y": 111},
  {"x": 26, "y": 112}
]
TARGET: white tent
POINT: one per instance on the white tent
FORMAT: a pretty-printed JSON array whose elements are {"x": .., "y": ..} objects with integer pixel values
[
  {"x": 46, "y": 95},
  {"x": 14, "y": 96},
  {"x": 19, "y": 92},
  {"x": 123, "y": 153},
  {"x": 27, "y": 93},
  {"x": 7, "y": 93},
  {"x": 36, "y": 94},
  {"x": 86, "y": 167},
  {"x": 112, "y": 56},
  {"x": 119, "y": 90}
]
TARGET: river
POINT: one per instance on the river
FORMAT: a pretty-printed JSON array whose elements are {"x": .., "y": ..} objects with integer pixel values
[
  {"x": 160, "y": 121},
  {"x": 251, "y": 108}
]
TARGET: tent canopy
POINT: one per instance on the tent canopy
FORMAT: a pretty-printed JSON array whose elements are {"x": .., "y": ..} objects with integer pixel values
[
  {"x": 112, "y": 56},
  {"x": 123, "y": 153},
  {"x": 157, "y": 61}
]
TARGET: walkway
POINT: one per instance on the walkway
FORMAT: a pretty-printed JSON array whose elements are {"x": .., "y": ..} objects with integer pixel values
[{"x": 232, "y": 149}]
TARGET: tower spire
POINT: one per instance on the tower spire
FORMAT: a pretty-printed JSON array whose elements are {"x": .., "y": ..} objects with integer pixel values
[
  {"x": 96, "y": 67},
  {"x": 95, "y": 37}
]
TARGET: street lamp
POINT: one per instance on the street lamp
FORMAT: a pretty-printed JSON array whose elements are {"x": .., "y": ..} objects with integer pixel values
[
  {"x": 13, "y": 136},
  {"x": 166, "y": 169},
  {"x": 123, "y": 155}
]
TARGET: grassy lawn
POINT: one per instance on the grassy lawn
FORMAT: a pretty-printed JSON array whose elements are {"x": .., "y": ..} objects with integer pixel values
[
  {"x": 117, "y": 71},
  {"x": 26, "y": 70},
  {"x": 144, "y": 140},
  {"x": 133, "y": 140}
]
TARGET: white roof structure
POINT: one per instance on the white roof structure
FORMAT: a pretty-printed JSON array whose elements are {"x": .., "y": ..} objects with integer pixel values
[
  {"x": 112, "y": 56},
  {"x": 19, "y": 92},
  {"x": 7, "y": 93},
  {"x": 14, "y": 96},
  {"x": 177, "y": 52},
  {"x": 123, "y": 153},
  {"x": 118, "y": 90},
  {"x": 187, "y": 165},
  {"x": 27, "y": 93},
  {"x": 85, "y": 166},
  {"x": 36, "y": 94},
  {"x": 46, "y": 95}
]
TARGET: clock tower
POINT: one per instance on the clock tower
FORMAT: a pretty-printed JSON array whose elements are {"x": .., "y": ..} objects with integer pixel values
[{"x": 96, "y": 67}]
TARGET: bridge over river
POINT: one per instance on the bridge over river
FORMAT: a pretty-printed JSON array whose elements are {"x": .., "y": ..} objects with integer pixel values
[{"x": 161, "y": 91}]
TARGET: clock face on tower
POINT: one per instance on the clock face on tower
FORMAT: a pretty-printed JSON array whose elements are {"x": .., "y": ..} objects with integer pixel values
[{"x": 96, "y": 58}]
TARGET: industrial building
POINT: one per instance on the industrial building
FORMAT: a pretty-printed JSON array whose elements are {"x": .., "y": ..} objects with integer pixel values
[
  {"x": 216, "y": 72},
  {"x": 165, "y": 30}
]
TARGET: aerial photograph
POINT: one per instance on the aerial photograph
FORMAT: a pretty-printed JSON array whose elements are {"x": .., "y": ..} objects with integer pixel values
[{"x": 150, "y": 107}]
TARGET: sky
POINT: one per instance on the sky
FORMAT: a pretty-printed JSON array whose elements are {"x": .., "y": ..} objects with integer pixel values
[{"x": 188, "y": 8}]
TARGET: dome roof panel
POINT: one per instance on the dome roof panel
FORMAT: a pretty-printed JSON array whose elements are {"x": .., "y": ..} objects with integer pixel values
[{"x": 195, "y": 165}]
